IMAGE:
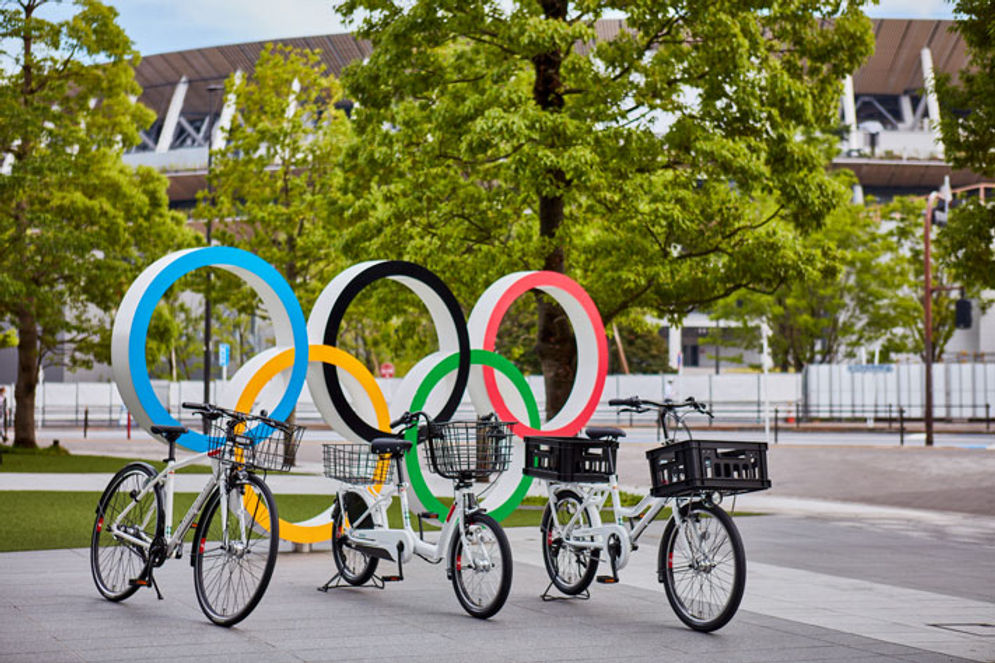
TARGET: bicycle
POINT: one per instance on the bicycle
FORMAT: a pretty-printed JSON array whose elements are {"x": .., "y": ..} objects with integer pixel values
[
  {"x": 473, "y": 544},
  {"x": 701, "y": 561},
  {"x": 234, "y": 547},
  {"x": 669, "y": 419}
]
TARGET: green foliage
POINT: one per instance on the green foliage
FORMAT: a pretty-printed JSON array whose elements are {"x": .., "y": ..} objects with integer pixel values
[
  {"x": 495, "y": 137},
  {"x": 968, "y": 126},
  {"x": 277, "y": 183},
  {"x": 77, "y": 224},
  {"x": 856, "y": 291}
]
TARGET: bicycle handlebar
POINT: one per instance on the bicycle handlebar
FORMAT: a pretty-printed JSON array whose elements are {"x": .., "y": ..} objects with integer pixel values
[{"x": 642, "y": 405}]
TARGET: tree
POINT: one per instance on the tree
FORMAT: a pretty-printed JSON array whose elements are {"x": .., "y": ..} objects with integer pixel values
[
  {"x": 626, "y": 154},
  {"x": 857, "y": 293},
  {"x": 77, "y": 224},
  {"x": 906, "y": 215},
  {"x": 968, "y": 127},
  {"x": 276, "y": 185}
]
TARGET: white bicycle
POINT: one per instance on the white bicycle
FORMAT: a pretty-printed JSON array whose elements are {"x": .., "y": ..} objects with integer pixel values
[
  {"x": 701, "y": 561},
  {"x": 235, "y": 540},
  {"x": 475, "y": 548}
]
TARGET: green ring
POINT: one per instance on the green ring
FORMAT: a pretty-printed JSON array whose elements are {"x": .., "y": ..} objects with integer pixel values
[{"x": 441, "y": 370}]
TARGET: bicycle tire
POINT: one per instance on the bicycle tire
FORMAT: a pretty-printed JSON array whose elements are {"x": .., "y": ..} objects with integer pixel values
[
  {"x": 556, "y": 555},
  {"x": 115, "y": 563},
  {"x": 481, "y": 593},
  {"x": 230, "y": 579},
  {"x": 354, "y": 566},
  {"x": 703, "y": 586}
]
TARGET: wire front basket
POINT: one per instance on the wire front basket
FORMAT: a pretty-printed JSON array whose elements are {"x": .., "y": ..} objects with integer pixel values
[
  {"x": 259, "y": 443},
  {"x": 355, "y": 463},
  {"x": 466, "y": 450}
]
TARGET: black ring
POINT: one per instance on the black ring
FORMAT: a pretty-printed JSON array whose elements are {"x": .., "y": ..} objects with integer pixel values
[{"x": 389, "y": 269}]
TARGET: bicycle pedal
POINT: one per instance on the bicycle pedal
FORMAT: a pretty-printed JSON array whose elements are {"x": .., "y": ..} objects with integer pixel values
[
  {"x": 138, "y": 582},
  {"x": 391, "y": 578},
  {"x": 607, "y": 580}
]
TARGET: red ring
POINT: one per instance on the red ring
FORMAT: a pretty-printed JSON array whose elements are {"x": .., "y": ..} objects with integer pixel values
[{"x": 572, "y": 288}]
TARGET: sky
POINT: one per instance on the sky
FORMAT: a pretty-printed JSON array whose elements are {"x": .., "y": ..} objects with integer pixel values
[{"x": 159, "y": 26}]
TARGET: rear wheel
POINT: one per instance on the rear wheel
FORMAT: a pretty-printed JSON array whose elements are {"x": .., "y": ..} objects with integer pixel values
[
  {"x": 120, "y": 543},
  {"x": 482, "y": 569},
  {"x": 703, "y": 566},
  {"x": 355, "y": 566},
  {"x": 571, "y": 569},
  {"x": 233, "y": 565}
]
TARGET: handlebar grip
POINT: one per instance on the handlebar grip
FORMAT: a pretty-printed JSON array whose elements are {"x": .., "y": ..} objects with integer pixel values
[
  {"x": 404, "y": 419},
  {"x": 205, "y": 407},
  {"x": 632, "y": 401}
]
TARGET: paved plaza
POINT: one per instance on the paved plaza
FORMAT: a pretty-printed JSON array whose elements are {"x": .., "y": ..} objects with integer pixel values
[{"x": 904, "y": 573}]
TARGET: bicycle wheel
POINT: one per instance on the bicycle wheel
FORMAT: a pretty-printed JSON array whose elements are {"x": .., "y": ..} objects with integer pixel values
[
  {"x": 571, "y": 569},
  {"x": 674, "y": 428},
  {"x": 115, "y": 560},
  {"x": 481, "y": 572},
  {"x": 233, "y": 565},
  {"x": 355, "y": 566},
  {"x": 702, "y": 566}
]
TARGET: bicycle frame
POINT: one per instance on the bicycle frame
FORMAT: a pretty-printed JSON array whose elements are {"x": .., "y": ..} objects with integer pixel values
[
  {"x": 174, "y": 540},
  {"x": 629, "y": 524},
  {"x": 404, "y": 543}
]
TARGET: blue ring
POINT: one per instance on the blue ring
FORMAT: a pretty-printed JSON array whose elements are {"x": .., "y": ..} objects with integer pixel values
[{"x": 211, "y": 256}]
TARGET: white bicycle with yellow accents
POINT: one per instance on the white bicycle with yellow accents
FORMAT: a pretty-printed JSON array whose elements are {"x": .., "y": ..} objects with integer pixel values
[{"x": 473, "y": 544}]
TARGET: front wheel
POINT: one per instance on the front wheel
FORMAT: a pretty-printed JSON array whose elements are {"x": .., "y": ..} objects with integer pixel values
[
  {"x": 126, "y": 525},
  {"x": 482, "y": 569},
  {"x": 233, "y": 565},
  {"x": 702, "y": 566}
]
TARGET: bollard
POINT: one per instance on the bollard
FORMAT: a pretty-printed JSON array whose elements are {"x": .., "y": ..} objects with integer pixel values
[
  {"x": 988, "y": 417},
  {"x": 798, "y": 417},
  {"x": 776, "y": 424},
  {"x": 901, "y": 426},
  {"x": 86, "y": 421},
  {"x": 129, "y": 424},
  {"x": 889, "y": 416}
]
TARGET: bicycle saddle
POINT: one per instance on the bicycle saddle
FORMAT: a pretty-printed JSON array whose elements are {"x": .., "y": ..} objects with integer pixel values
[
  {"x": 171, "y": 433},
  {"x": 601, "y": 432},
  {"x": 389, "y": 445}
]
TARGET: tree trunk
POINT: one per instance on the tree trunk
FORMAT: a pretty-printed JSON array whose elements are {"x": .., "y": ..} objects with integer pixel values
[
  {"x": 555, "y": 346},
  {"x": 27, "y": 380}
]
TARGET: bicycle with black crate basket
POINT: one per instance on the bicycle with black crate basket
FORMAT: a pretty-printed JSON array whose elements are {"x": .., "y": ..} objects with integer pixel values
[
  {"x": 701, "y": 562},
  {"x": 234, "y": 549},
  {"x": 474, "y": 546}
]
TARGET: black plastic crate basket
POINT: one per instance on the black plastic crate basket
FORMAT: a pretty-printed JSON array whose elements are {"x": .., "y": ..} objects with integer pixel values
[
  {"x": 257, "y": 442},
  {"x": 468, "y": 449},
  {"x": 695, "y": 466},
  {"x": 355, "y": 463},
  {"x": 570, "y": 459}
]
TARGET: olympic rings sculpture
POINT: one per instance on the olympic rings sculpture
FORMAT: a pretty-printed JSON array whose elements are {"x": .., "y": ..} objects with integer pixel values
[{"x": 346, "y": 395}]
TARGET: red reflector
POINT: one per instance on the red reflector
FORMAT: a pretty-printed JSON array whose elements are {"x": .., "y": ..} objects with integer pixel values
[
  {"x": 203, "y": 542},
  {"x": 459, "y": 562},
  {"x": 100, "y": 524},
  {"x": 670, "y": 560}
]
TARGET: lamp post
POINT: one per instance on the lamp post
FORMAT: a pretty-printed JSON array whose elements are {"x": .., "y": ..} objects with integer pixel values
[
  {"x": 927, "y": 305},
  {"x": 211, "y": 90}
]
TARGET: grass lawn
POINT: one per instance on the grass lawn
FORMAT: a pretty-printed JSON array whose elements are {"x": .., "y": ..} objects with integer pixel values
[
  {"x": 41, "y": 520},
  {"x": 47, "y": 460}
]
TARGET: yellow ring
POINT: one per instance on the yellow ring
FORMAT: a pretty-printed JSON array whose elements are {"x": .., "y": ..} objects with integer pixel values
[{"x": 325, "y": 354}]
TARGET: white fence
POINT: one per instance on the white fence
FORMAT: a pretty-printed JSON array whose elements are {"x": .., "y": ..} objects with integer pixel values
[{"x": 961, "y": 391}]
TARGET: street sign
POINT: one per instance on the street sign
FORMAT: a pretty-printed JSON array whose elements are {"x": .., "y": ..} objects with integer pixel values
[
  {"x": 223, "y": 351},
  {"x": 386, "y": 370},
  {"x": 870, "y": 368}
]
